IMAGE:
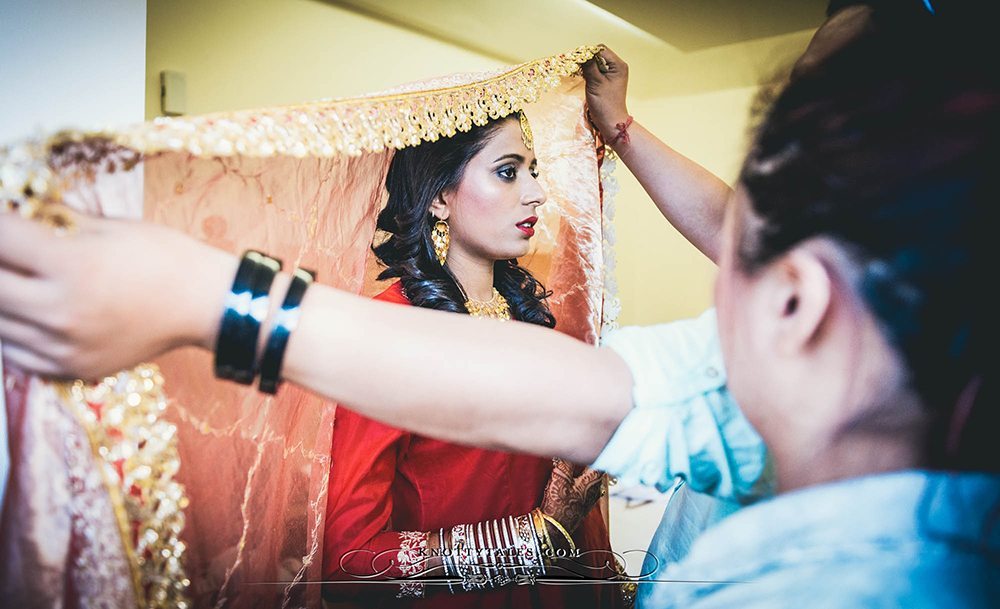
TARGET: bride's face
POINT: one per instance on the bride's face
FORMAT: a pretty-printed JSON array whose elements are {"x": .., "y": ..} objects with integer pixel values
[{"x": 492, "y": 210}]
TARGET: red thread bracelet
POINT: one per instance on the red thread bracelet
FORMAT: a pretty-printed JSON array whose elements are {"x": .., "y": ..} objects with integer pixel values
[{"x": 622, "y": 131}]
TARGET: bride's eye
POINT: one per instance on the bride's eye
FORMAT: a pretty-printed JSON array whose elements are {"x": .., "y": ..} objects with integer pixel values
[{"x": 507, "y": 173}]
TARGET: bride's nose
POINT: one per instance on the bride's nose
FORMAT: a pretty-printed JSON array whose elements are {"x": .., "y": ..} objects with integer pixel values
[{"x": 534, "y": 194}]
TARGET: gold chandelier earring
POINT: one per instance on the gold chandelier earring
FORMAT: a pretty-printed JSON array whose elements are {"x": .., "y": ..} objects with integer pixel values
[{"x": 441, "y": 238}]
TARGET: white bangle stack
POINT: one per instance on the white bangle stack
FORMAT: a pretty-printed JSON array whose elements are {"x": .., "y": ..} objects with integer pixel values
[{"x": 494, "y": 553}]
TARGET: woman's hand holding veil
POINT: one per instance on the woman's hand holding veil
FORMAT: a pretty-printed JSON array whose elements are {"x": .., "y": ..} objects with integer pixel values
[
  {"x": 607, "y": 82},
  {"x": 105, "y": 294}
]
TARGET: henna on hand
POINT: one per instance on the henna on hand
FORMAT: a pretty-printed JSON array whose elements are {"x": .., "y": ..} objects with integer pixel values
[{"x": 571, "y": 493}]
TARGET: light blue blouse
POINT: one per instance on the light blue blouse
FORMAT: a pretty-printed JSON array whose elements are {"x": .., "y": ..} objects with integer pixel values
[
  {"x": 684, "y": 423},
  {"x": 913, "y": 538},
  {"x": 684, "y": 434}
]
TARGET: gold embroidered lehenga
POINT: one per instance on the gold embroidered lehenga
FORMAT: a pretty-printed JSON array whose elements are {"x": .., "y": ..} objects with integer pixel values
[{"x": 162, "y": 486}]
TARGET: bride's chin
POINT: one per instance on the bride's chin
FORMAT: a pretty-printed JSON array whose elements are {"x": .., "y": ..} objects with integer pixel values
[
  {"x": 523, "y": 251},
  {"x": 511, "y": 252}
]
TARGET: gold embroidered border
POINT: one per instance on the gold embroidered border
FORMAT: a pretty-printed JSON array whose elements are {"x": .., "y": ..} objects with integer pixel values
[
  {"x": 355, "y": 126},
  {"x": 136, "y": 452},
  {"x": 319, "y": 129}
]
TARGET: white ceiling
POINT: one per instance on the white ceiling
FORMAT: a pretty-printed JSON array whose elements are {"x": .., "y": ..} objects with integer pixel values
[
  {"x": 674, "y": 47},
  {"x": 694, "y": 25}
]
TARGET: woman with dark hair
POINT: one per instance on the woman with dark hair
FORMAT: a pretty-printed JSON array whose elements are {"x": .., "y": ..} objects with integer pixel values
[
  {"x": 460, "y": 212},
  {"x": 852, "y": 327},
  {"x": 851, "y": 315}
]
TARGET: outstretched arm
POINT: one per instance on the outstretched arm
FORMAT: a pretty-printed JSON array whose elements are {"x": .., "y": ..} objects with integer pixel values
[
  {"x": 689, "y": 196},
  {"x": 114, "y": 293},
  {"x": 505, "y": 386}
]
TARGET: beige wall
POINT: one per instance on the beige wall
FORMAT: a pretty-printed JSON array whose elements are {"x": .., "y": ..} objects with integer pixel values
[
  {"x": 250, "y": 53},
  {"x": 662, "y": 277}
]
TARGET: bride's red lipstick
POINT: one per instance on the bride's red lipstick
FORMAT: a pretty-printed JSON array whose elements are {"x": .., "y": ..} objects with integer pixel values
[{"x": 527, "y": 226}]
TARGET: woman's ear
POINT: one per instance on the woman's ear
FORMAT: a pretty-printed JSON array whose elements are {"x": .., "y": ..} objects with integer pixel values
[
  {"x": 439, "y": 208},
  {"x": 802, "y": 301}
]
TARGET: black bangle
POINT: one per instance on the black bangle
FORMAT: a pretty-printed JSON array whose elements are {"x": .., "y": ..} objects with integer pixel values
[
  {"x": 285, "y": 321},
  {"x": 246, "y": 308}
]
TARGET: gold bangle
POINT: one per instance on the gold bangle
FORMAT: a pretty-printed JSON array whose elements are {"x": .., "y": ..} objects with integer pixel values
[
  {"x": 548, "y": 539},
  {"x": 540, "y": 532},
  {"x": 562, "y": 529},
  {"x": 548, "y": 550}
]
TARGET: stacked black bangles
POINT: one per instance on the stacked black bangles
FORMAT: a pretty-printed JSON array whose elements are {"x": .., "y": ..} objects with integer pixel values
[{"x": 246, "y": 309}]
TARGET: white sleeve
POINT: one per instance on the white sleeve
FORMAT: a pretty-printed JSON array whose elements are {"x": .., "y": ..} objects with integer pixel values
[{"x": 683, "y": 421}]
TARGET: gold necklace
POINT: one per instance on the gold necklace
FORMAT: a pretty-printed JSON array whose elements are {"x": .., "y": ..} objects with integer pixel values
[{"x": 494, "y": 308}]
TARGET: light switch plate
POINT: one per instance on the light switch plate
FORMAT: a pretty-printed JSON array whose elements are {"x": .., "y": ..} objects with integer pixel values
[{"x": 173, "y": 93}]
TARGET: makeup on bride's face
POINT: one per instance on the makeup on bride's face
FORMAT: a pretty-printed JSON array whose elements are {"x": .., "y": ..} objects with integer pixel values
[{"x": 493, "y": 208}]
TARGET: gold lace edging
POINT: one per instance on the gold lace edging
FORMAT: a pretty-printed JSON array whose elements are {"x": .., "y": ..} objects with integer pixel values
[
  {"x": 32, "y": 171},
  {"x": 611, "y": 306},
  {"x": 136, "y": 451},
  {"x": 355, "y": 126},
  {"x": 35, "y": 172}
]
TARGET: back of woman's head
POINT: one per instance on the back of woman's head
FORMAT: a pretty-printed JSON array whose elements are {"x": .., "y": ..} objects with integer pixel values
[
  {"x": 416, "y": 176},
  {"x": 890, "y": 149}
]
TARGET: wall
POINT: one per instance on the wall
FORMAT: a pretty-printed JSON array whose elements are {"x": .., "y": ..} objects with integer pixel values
[
  {"x": 662, "y": 277},
  {"x": 70, "y": 64},
  {"x": 253, "y": 53}
]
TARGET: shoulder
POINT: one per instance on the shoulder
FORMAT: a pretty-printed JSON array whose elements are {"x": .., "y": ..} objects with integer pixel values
[
  {"x": 672, "y": 362},
  {"x": 696, "y": 334},
  {"x": 394, "y": 294}
]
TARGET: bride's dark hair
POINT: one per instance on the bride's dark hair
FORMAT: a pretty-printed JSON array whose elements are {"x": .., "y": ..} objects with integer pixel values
[{"x": 416, "y": 176}]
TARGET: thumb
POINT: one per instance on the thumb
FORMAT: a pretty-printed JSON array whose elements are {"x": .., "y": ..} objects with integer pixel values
[
  {"x": 592, "y": 72},
  {"x": 612, "y": 61}
]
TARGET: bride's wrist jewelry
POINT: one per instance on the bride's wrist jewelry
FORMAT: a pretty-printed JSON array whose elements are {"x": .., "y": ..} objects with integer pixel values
[
  {"x": 559, "y": 527},
  {"x": 548, "y": 551},
  {"x": 493, "y": 553}
]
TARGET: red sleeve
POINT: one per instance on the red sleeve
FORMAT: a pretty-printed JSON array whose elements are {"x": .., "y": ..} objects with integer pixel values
[
  {"x": 394, "y": 294},
  {"x": 357, "y": 541}
]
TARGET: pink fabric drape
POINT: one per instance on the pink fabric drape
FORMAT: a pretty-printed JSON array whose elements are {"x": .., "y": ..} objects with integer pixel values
[{"x": 254, "y": 468}]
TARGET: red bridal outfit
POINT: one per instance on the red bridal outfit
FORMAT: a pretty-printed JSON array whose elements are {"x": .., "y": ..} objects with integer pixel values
[
  {"x": 390, "y": 488},
  {"x": 165, "y": 487}
]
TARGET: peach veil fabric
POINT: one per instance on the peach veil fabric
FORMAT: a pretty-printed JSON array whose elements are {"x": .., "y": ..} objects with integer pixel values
[{"x": 81, "y": 528}]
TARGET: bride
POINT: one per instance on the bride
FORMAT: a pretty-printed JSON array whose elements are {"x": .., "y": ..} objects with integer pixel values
[{"x": 460, "y": 212}]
